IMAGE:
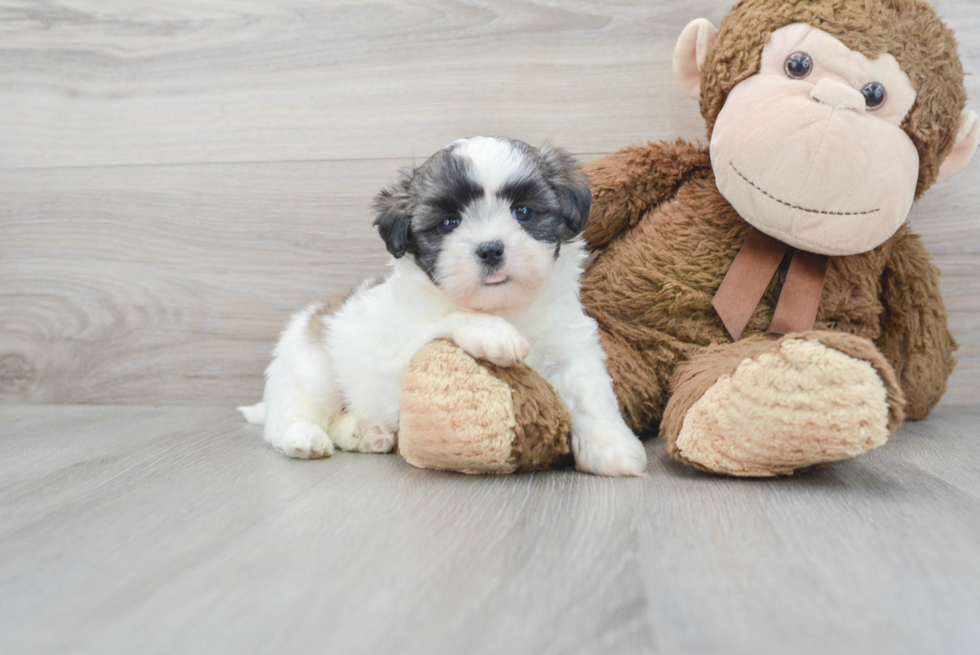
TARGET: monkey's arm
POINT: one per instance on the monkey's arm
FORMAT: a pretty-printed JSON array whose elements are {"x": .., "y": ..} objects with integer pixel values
[
  {"x": 915, "y": 333},
  {"x": 628, "y": 183}
]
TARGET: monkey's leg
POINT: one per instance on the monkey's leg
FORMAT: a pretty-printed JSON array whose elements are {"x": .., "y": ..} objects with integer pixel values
[
  {"x": 641, "y": 378},
  {"x": 763, "y": 406}
]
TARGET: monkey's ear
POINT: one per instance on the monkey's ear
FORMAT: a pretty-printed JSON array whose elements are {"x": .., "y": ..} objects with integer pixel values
[
  {"x": 394, "y": 216},
  {"x": 565, "y": 176},
  {"x": 966, "y": 144},
  {"x": 690, "y": 53}
]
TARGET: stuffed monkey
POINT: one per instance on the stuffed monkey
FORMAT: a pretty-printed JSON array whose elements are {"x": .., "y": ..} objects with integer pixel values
[{"x": 763, "y": 301}]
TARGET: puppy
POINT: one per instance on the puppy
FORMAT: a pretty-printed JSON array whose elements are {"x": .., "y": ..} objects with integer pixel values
[{"x": 486, "y": 251}]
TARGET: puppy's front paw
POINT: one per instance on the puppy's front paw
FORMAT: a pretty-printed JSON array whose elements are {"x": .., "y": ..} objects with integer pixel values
[
  {"x": 304, "y": 441},
  {"x": 493, "y": 339},
  {"x": 609, "y": 452}
]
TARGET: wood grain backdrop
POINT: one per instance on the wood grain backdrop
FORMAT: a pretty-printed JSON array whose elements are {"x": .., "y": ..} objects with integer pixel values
[{"x": 176, "y": 178}]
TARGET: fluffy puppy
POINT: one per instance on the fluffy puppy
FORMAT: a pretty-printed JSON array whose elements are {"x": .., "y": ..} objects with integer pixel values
[{"x": 486, "y": 251}]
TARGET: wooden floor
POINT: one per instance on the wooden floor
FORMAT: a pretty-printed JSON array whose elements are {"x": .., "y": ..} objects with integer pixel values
[{"x": 177, "y": 530}]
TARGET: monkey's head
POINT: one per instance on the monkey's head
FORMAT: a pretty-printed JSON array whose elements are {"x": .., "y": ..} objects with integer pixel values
[{"x": 828, "y": 119}]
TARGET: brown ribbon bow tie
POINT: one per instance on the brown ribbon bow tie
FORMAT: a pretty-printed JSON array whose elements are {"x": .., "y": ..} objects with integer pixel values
[{"x": 754, "y": 266}]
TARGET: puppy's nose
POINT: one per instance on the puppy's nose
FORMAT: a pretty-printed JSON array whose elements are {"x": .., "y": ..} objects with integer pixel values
[{"x": 491, "y": 253}]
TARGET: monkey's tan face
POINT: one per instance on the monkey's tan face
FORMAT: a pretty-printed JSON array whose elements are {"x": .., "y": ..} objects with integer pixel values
[{"x": 810, "y": 150}]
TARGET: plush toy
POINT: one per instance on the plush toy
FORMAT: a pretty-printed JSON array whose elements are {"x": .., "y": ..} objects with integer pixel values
[
  {"x": 461, "y": 414},
  {"x": 762, "y": 300}
]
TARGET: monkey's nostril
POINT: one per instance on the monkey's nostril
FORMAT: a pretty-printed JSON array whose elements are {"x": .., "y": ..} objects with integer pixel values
[{"x": 491, "y": 252}]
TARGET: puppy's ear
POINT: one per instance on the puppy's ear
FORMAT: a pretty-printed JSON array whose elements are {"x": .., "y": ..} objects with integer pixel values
[
  {"x": 565, "y": 176},
  {"x": 394, "y": 215}
]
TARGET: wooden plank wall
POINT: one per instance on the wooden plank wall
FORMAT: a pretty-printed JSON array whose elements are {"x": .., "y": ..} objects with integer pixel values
[{"x": 177, "y": 177}]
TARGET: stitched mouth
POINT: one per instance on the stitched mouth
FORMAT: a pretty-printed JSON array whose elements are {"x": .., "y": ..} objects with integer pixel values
[{"x": 792, "y": 206}]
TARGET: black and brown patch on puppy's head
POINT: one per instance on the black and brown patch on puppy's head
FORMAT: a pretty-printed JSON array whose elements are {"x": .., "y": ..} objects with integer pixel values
[
  {"x": 425, "y": 204},
  {"x": 471, "y": 214},
  {"x": 555, "y": 189},
  {"x": 393, "y": 207}
]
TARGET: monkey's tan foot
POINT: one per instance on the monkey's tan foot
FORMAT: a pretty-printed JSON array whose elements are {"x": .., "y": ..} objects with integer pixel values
[
  {"x": 763, "y": 407},
  {"x": 461, "y": 414}
]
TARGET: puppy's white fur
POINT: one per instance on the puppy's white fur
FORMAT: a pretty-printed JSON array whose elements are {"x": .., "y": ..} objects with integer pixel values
[{"x": 339, "y": 386}]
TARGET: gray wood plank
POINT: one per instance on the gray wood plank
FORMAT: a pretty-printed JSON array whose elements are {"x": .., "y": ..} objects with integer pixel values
[
  {"x": 846, "y": 559},
  {"x": 169, "y": 284},
  {"x": 166, "y": 284},
  {"x": 177, "y": 530},
  {"x": 88, "y": 82},
  {"x": 328, "y": 543}
]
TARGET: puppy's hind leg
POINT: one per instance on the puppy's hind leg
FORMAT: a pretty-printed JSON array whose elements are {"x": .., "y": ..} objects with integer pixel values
[
  {"x": 301, "y": 395},
  {"x": 304, "y": 440},
  {"x": 351, "y": 433}
]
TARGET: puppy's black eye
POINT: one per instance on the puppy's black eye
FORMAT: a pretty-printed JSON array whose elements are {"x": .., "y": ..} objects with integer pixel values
[
  {"x": 798, "y": 65},
  {"x": 522, "y": 213},
  {"x": 874, "y": 95},
  {"x": 448, "y": 225}
]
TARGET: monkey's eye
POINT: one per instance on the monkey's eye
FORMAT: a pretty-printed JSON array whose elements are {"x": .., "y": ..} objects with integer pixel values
[
  {"x": 448, "y": 225},
  {"x": 522, "y": 213},
  {"x": 798, "y": 65},
  {"x": 874, "y": 95}
]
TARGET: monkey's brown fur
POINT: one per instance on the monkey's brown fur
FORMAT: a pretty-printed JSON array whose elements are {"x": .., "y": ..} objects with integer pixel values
[{"x": 670, "y": 236}]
